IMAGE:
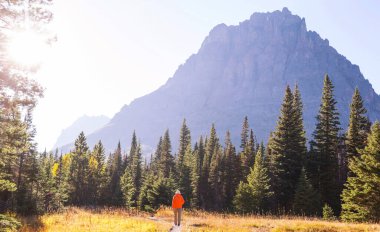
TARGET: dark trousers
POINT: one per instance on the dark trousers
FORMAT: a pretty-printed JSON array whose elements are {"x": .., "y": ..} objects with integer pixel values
[{"x": 177, "y": 216}]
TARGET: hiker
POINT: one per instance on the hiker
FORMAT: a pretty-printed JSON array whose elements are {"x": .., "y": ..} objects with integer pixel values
[{"x": 177, "y": 203}]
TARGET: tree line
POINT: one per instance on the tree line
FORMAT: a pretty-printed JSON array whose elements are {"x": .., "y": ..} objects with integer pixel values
[{"x": 339, "y": 173}]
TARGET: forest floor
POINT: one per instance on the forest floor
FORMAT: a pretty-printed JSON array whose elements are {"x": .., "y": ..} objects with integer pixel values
[{"x": 99, "y": 220}]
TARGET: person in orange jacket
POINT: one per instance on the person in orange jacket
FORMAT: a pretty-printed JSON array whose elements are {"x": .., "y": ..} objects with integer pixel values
[{"x": 177, "y": 203}]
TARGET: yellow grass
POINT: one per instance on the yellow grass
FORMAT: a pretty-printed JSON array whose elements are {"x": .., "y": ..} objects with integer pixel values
[{"x": 75, "y": 219}]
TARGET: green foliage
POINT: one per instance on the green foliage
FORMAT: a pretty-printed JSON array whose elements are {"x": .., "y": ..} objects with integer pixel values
[
  {"x": 247, "y": 144},
  {"x": 252, "y": 195},
  {"x": 97, "y": 174},
  {"x": 162, "y": 192},
  {"x": 358, "y": 127},
  {"x": 328, "y": 213},
  {"x": 196, "y": 172},
  {"x": 184, "y": 162},
  {"x": 114, "y": 170},
  {"x": 79, "y": 171},
  {"x": 8, "y": 223},
  {"x": 325, "y": 147},
  {"x": 306, "y": 199},
  {"x": 231, "y": 172},
  {"x": 128, "y": 188},
  {"x": 361, "y": 196},
  {"x": 6, "y": 185},
  {"x": 287, "y": 150}
]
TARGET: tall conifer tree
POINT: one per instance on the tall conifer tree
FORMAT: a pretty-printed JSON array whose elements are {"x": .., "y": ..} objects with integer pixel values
[
  {"x": 286, "y": 158},
  {"x": 79, "y": 171},
  {"x": 361, "y": 196},
  {"x": 358, "y": 127},
  {"x": 326, "y": 137}
]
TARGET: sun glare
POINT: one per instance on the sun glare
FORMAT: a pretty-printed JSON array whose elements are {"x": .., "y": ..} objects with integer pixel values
[{"x": 27, "y": 48}]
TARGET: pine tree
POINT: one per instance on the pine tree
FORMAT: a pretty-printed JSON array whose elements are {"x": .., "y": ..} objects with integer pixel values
[
  {"x": 361, "y": 196},
  {"x": 244, "y": 133},
  {"x": 252, "y": 195},
  {"x": 145, "y": 195},
  {"x": 212, "y": 142},
  {"x": 230, "y": 170},
  {"x": 299, "y": 137},
  {"x": 358, "y": 126},
  {"x": 183, "y": 162},
  {"x": 326, "y": 139},
  {"x": 162, "y": 192},
  {"x": 286, "y": 152},
  {"x": 114, "y": 194},
  {"x": 215, "y": 179},
  {"x": 79, "y": 171},
  {"x": 135, "y": 171},
  {"x": 306, "y": 199},
  {"x": 196, "y": 172},
  {"x": 247, "y": 156},
  {"x": 97, "y": 175},
  {"x": 166, "y": 159},
  {"x": 184, "y": 142},
  {"x": 128, "y": 188}
]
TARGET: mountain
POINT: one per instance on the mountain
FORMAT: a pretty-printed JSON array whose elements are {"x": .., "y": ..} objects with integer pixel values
[
  {"x": 242, "y": 70},
  {"x": 87, "y": 124}
]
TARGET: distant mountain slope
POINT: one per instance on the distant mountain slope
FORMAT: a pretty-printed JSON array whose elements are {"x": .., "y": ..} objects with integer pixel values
[
  {"x": 87, "y": 124},
  {"x": 242, "y": 70}
]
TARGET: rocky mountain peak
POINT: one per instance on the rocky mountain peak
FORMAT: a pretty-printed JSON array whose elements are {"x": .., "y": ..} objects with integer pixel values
[{"x": 242, "y": 70}]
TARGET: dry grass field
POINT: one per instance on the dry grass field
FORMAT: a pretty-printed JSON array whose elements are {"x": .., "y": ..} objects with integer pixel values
[{"x": 76, "y": 219}]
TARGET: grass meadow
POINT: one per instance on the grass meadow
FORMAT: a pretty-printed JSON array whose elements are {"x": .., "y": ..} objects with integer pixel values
[{"x": 99, "y": 220}]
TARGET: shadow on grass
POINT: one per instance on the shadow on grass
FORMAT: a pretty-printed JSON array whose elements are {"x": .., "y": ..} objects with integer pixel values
[
  {"x": 200, "y": 225},
  {"x": 31, "y": 223}
]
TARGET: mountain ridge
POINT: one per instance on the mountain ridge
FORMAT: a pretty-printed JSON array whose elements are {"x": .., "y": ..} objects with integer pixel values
[{"x": 242, "y": 70}]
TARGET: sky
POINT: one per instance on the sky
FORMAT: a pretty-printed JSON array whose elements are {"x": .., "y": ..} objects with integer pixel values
[{"x": 110, "y": 52}]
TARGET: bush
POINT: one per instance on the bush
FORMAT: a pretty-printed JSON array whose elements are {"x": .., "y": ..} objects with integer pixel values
[
  {"x": 328, "y": 213},
  {"x": 8, "y": 223}
]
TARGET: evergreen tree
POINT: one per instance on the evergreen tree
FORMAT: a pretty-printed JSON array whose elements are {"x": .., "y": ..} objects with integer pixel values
[
  {"x": 128, "y": 188},
  {"x": 196, "y": 172},
  {"x": 79, "y": 171},
  {"x": 135, "y": 171},
  {"x": 247, "y": 156},
  {"x": 183, "y": 162},
  {"x": 162, "y": 192},
  {"x": 361, "y": 196},
  {"x": 358, "y": 126},
  {"x": 205, "y": 190},
  {"x": 244, "y": 133},
  {"x": 146, "y": 194},
  {"x": 166, "y": 159},
  {"x": 299, "y": 137},
  {"x": 326, "y": 146},
  {"x": 216, "y": 180},
  {"x": 97, "y": 175},
  {"x": 252, "y": 195},
  {"x": 286, "y": 152},
  {"x": 114, "y": 194},
  {"x": 230, "y": 170},
  {"x": 306, "y": 199},
  {"x": 184, "y": 143}
]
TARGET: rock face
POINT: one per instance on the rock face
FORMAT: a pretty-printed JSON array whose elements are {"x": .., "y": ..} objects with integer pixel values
[
  {"x": 87, "y": 124},
  {"x": 243, "y": 70}
]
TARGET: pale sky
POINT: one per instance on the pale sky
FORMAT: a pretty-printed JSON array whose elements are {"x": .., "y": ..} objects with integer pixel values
[{"x": 110, "y": 52}]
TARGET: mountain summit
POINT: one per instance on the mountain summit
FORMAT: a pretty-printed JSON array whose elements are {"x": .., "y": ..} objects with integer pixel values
[{"x": 242, "y": 71}]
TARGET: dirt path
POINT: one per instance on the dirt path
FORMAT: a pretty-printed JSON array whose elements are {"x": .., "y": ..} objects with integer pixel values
[{"x": 163, "y": 221}]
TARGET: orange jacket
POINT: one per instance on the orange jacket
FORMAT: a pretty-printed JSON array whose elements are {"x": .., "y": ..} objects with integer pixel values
[{"x": 177, "y": 201}]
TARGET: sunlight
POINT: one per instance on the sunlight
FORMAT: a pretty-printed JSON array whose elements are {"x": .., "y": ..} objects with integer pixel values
[{"x": 27, "y": 48}]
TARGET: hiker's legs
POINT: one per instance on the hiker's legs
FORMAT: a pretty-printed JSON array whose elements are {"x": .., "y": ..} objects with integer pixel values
[
  {"x": 175, "y": 216},
  {"x": 179, "y": 216}
]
